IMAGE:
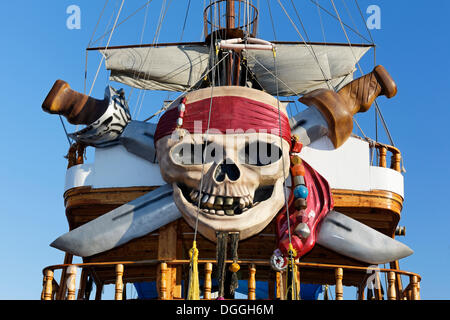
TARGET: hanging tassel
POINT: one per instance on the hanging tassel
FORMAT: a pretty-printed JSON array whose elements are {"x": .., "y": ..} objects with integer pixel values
[
  {"x": 194, "y": 287},
  {"x": 234, "y": 267},
  {"x": 291, "y": 276},
  {"x": 221, "y": 256}
]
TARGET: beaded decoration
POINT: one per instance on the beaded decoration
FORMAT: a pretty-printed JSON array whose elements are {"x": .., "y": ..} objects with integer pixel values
[
  {"x": 298, "y": 175},
  {"x": 181, "y": 109}
]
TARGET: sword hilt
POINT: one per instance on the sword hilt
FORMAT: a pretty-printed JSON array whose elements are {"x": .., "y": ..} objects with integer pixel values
[
  {"x": 77, "y": 107},
  {"x": 338, "y": 108}
]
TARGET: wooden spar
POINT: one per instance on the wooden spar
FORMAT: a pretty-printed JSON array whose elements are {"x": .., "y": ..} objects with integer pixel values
[{"x": 172, "y": 44}]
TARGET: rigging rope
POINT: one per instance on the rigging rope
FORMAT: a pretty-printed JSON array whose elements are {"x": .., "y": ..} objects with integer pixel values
[
  {"x": 185, "y": 20},
  {"x": 311, "y": 49},
  {"x": 291, "y": 281},
  {"x": 362, "y": 73},
  {"x": 86, "y": 62},
  {"x": 65, "y": 131},
  {"x": 106, "y": 48},
  {"x": 271, "y": 20},
  {"x": 333, "y": 16},
  {"x": 193, "y": 291},
  {"x": 301, "y": 22},
  {"x": 164, "y": 108},
  {"x": 321, "y": 24},
  {"x": 349, "y": 14},
  {"x": 89, "y": 44},
  {"x": 136, "y": 74},
  {"x": 123, "y": 21}
]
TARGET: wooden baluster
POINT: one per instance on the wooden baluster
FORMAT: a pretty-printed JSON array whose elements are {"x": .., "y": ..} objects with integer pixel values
[
  {"x": 398, "y": 282},
  {"x": 378, "y": 291},
  {"x": 396, "y": 160},
  {"x": 119, "y": 282},
  {"x": 252, "y": 283},
  {"x": 382, "y": 156},
  {"x": 414, "y": 287},
  {"x": 208, "y": 283},
  {"x": 71, "y": 282},
  {"x": 163, "y": 281},
  {"x": 43, "y": 285},
  {"x": 339, "y": 274},
  {"x": 418, "y": 290},
  {"x": 167, "y": 250},
  {"x": 48, "y": 285},
  {"x": 392, "y": 292}
]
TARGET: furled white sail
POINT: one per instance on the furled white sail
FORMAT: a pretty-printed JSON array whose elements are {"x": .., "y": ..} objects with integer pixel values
[
  {"x": 171, "y": 68},
  {"x": 299, "y": 69},
  {"x": 303, "y": 68}
]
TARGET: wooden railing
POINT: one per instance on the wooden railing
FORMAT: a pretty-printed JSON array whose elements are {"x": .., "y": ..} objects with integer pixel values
[
  {"x": 222, "y": 14},
  {"x": 50, "y": 287},
  {"x": 382, "y": 150}
]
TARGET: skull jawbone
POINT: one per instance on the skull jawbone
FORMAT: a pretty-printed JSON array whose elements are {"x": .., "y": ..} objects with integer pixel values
[{"x": 247, "y": 224}]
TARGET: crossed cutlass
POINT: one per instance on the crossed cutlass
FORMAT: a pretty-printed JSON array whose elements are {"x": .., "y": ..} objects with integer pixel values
[{"x": 108, "y": 122}]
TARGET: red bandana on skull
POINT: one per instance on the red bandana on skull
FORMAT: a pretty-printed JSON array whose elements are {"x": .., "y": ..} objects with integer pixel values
[{"x": 227, "y": 112}]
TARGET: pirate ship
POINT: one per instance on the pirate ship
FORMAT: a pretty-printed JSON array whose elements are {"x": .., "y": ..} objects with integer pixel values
[{"x": 229, "y": 195}]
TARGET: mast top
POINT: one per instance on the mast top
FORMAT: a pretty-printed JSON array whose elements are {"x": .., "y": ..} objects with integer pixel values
[{"x": 227, "y": 19}]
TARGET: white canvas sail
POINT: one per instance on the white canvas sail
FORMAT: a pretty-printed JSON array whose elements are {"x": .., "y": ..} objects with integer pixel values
[
  {"x": 303, "y": 68},
  {"x": 300, "y": 68},
  {"x": 171, "y": 68}
]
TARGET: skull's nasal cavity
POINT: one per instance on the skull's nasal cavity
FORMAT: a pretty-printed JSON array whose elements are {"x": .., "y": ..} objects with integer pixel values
[{"x": 227, "y": 169}]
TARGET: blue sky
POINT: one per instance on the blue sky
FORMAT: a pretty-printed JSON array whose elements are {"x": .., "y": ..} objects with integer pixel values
[{"x": 38, "y": 48}]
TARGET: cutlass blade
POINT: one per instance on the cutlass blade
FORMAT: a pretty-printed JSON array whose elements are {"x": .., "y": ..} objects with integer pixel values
[
  {"x": 309, "y": 125},
  {"x": 127, "y": 222},
  {"x": 356, "y": 240}
]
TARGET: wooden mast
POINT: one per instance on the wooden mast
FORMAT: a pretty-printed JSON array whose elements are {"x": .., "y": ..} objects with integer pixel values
[
  {"x": 234, "y": 61},
  {"x": 230, "y": 25},
  {"x": 230, "y": 15}
]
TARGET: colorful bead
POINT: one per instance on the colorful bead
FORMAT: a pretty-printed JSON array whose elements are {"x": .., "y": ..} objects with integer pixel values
[
  {"x": 296, "y": 160},
  {"x": 301, "y": 191},
  {"x": 296, "y": 145},
  {"x": 234, "y": 267},
  {"x": 300, "y": 204},
  {"x": 181, "y": 109},
  {"x": 302, "y": 230},
  {"x": 298, "y": 170},
  {"x": 299, "y": 180}
]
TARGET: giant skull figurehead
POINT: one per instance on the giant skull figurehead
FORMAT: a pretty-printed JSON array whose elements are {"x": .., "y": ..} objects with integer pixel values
[{"x": 225, "y": 151}]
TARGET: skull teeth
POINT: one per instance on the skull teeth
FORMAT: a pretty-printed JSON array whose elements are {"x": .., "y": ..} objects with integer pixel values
[{"x": 221, "y": 206}]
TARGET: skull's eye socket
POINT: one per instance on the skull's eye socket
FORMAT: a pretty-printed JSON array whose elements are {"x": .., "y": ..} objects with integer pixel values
[
  {"x": 193, "y": 153},
  {"x": 260, "y": 153}
]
